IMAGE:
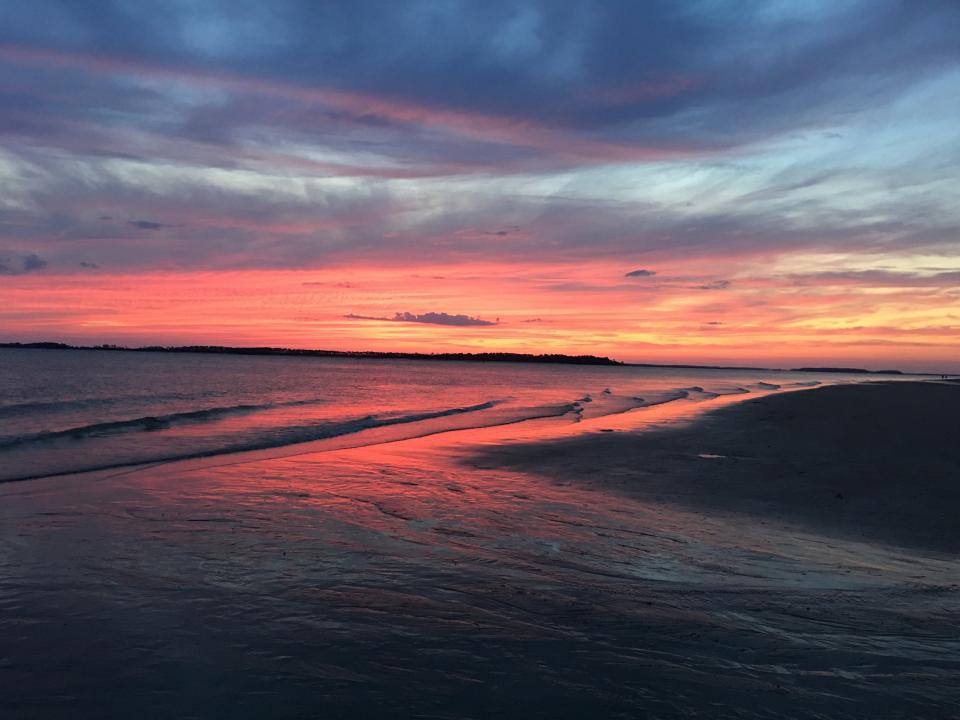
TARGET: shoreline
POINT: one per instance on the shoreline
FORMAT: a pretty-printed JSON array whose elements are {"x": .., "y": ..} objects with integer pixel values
[
  {"x": 394, "y": 576},
  {"x": 483, "y": 357},
  {"x": 266, "y": 351},
  {"x": 875, "y": 462}
]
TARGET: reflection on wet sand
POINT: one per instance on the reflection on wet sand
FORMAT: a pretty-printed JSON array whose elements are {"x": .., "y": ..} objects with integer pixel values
[{"x": 394, "y": 580}]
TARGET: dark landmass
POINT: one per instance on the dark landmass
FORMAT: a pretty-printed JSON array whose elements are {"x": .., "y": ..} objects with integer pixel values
[
  {"x": 554, "y": 358},
  {"x": 360, "y": 355},
  {"x": 857, "y": 371},
  {"x": 704, "y": 367},
  {"x": 848, "y": 370}
]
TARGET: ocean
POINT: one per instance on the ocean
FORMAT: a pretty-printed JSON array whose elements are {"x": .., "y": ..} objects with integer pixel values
[
  {"x": 68, "y": 411},
  {"x": 215, "y": 536}
]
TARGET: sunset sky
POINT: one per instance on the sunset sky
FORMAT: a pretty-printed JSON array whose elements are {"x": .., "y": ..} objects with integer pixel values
[{"x": 770, "y": 183}]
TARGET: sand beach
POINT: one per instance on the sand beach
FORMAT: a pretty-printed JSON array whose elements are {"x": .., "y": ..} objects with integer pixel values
[{"x": 789, "y": 555}]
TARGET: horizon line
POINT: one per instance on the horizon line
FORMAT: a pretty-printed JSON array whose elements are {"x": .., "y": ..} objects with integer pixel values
[{"x": 482, "y": 356}]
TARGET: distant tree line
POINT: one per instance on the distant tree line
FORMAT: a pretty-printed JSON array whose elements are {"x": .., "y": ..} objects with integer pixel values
[{"x": 360, "y": 354}]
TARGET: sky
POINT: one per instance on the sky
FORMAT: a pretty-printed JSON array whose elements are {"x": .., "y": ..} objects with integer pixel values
[{"x": 710, "y": 181}]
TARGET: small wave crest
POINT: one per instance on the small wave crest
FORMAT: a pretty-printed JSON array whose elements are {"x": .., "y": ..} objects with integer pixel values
[
  {"x": 302, "y": 434},
  {"x": 696, "y": 390},
  {"x": 665, "y": 397},
  {"x": 56, "y": 406},
  {"x": 89, "y": 447},
  {"x": 736, "y": 390},
  {"x": 145, "y": 424}
]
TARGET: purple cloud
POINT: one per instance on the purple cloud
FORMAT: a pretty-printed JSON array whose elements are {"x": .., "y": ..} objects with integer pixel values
[{"x": 430, "y": 318}]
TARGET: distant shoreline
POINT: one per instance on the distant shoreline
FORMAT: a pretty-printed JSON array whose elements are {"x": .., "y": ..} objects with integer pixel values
[
  {"x": 554, "y": 358},
  {"x": 350, "y": 354}
]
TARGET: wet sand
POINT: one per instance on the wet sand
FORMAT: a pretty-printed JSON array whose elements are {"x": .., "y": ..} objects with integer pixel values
[
  {"x": 878, "y": 462},
  {"x": 612, "y": 575}
]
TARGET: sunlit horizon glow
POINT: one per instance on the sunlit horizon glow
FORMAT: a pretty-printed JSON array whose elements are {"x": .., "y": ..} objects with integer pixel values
[{"x": 285, "y": 174}]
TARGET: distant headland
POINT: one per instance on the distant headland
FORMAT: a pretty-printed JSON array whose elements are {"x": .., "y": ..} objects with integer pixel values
[
  {"x": 847, "y": 370},
  {"x": 352, "y": 354},
  {"x": 553, "y": 358}
]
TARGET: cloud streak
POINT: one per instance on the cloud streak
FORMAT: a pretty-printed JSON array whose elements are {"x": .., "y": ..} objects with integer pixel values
[
  {"x": 429, "y": 318},
  {"x": 469, "y": 124},
  {"x": 148, "y": 225},
  {"x": 20, "y": 263}
]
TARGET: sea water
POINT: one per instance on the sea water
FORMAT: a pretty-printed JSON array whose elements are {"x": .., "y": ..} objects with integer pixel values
[
  {"x": 302, "y": 538},
  {"x": 65, "y": 411}
]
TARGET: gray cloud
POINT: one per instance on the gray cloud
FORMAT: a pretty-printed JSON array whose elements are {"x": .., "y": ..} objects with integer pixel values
[
  {"x": 715, "y": 285},
  {"x": 33, "y": 262},
  {"x": 656, "y": 72},
  {"x": 148, "y": 225},
  {"x": 14, "y": 264},
  {"x": 430, "y": 318},
  {"x": 245, "y": 167},
  {"x": 874, "y": 278},
  {"x": 640, "y": 273}
]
